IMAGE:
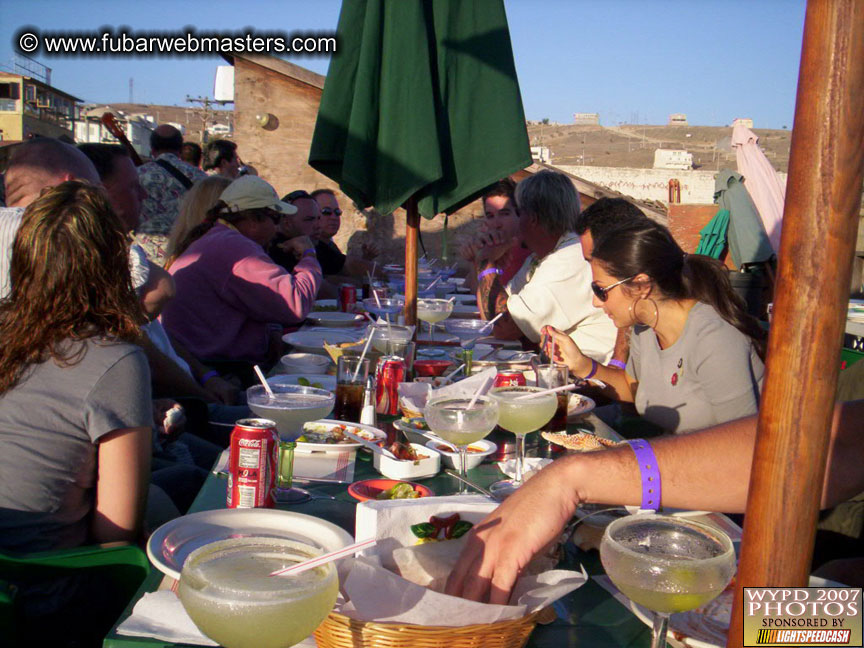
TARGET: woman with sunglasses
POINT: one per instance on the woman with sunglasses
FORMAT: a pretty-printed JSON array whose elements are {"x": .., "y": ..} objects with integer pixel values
[
  {"x": 232, "y": 299},
  {"x": 695, "y": 354}
]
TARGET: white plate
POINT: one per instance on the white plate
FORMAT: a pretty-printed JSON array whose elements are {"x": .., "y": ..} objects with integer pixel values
[
  {"x": 326, "y": 303},
  {"x": 171, "y": 543},
  {"x": 334, "y": 318},
  {"x": 579, "y": 405},
  {"x": 326, "y": 382},
  {"x": 320, "y": 447},
  {"x": 465, "y": 299},
  {"x": 313, "y": 341}
]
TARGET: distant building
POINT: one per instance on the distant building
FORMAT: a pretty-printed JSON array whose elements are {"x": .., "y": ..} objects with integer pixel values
[
  {"x": 136, "y": 127},
  {"x": 29, "y": 107},
  {"x": 541, "y": 154},
  {"x": 666, "y": 159},
  {"x": 220, "y": 130},
  {"x": 586, "y": 119},
  {"x": 678, "y": 119},
  {"x": 744, "y": 121}
]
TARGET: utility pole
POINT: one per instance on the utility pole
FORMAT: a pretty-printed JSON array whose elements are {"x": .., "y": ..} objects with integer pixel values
[{"x": 208, "y": 113}]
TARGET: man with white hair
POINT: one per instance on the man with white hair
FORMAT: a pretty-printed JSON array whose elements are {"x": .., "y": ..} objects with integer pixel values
[{"x": 553, "y": 287}]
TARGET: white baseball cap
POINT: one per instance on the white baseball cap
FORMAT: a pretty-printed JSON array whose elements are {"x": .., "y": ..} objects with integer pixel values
[{"x": 251, "y": 192}]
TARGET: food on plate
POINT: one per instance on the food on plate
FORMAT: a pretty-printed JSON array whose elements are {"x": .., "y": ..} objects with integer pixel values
[
  {"x": 405, "y": 452},
  {"x": 402, "y": 490},
  {"x": 441, "y": 528},
  {"x": 472, "y": 449},
  {"x": 330, "y": 433},
  {"x": 417, "y": 422},
  {"x": 582, "y": 441},
  {"x": 305, "y": 382}
]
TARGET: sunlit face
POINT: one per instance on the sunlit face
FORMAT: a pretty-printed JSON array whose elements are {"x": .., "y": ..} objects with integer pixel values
[
  {"x": 125, "y": 192},
  {"x": 305, "y": 222},
  {"x": 331, "y": 215},
  {"x": 231, "y": 169},
  {"x": 618, "y": 299},
  {"x": 501, "y": 216}
]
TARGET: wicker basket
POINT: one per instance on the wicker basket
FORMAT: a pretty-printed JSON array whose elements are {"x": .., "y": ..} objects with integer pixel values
[{"x": 340, "y": 631}]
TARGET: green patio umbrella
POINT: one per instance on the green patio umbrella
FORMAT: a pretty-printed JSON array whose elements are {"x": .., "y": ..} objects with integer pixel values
[
  {"x": 712, "y": 237},
  {"x": 421, "y": 108}
]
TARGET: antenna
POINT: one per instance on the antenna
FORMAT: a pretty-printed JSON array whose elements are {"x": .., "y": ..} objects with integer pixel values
[{"x": 131, "y": 90}]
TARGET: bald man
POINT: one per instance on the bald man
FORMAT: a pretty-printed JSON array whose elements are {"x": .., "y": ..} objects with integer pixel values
[
  {"x": 34, "y": 166},
  {"x": 165, "y": 179}
]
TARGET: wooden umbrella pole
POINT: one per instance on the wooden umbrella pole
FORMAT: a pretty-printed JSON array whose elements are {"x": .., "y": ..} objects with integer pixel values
[
  {"x": 412, "y": 231},
  {"x": 823, "y": 196}
]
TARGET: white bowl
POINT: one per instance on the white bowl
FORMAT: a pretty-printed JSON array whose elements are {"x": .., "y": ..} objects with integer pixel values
[
  {"x": 305, "y": 363},
  {"x": 395, "y": 469},
  {"x": 452, "y": 459}
]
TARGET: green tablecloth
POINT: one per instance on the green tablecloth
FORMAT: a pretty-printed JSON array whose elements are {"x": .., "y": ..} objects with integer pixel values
[{"x": 587, "y": 617}]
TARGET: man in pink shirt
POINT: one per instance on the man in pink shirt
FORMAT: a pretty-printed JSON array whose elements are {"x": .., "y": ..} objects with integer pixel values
[{"x": 231, "y": 297}]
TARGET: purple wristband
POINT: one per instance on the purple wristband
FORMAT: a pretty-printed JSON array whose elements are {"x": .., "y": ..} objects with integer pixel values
[
  {"x": 309, "y": 252},
  {"x": 207, "y": 376},
  {"x": 650, "y": 473},
  {"x": 593, "y": 371},
  {"x": 487, "y": 272},
  {"x": 618, "y": 363}
]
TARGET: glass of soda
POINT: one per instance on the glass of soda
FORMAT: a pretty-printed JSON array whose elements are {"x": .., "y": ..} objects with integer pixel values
[
  {"x": 548, "y": 377},
  {"x": 351, "y": 374}
]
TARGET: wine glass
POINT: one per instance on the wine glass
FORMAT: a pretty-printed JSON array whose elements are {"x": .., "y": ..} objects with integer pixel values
[
  {"x": 434, "y": 311},
  {"x": 290, "y": 407},
  {"x": 667, "y": 564},
  {"x": 521, "y": 415},
  {"x": 550, "y": 376},
  {"x": 226, "y": 589},
  {"x": 461, "y": 422}
]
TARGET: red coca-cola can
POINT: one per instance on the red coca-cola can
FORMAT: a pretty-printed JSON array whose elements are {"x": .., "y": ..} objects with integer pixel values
[
  {"x": 509, "y": 379},
  {"x": 253, "y": 464},
  {"x": 391, "y": 371},
  {"x": 347, "y": 298}
]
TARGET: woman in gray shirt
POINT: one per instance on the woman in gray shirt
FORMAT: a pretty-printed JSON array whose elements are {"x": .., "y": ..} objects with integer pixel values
[{"x": 695, "y": 354}]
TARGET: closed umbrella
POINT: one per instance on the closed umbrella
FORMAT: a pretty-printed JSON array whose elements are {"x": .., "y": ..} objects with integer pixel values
[
  {"x": 748, "y": 242},
  {"x": 712, "y": 237},
  {"x": 761, "y": 181},
  {"x": 421, "y": 108}
]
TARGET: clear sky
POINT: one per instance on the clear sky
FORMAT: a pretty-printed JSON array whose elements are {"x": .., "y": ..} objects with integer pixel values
[{"x": 628, "y": 60}]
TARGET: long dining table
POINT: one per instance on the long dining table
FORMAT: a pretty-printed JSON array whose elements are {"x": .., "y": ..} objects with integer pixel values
[{"x": 589, "y": 616}]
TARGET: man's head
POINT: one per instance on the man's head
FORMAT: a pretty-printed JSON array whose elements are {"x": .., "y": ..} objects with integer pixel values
[
  {"x": 331, "y": 215},
  {"x": 120, "y": 179},
  {"x": 252, "y": 205},
  {"x": 307, "y": 220},
  {"x": 191, "y": 153},
  {"x": 604, "y": 216},
  {"x": 548, "y": 205},
  {"x": 44, "y": 162},
  {"x": 499, "y": 208},
  {"x": 221, "y": 156},
  {"x": 165, "y": 139}
]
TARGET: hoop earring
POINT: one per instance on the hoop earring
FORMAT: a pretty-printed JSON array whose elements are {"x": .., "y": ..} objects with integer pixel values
[{"x": 635, "y": 316}]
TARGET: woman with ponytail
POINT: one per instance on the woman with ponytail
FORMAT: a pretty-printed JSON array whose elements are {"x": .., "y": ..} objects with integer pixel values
[{"x": 696, "y": 356}]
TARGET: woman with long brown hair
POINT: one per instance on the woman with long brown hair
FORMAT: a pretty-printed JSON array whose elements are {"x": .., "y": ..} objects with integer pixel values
[
  {"x": 696, "y": 356},
  {"x": 75, "y": 414}
]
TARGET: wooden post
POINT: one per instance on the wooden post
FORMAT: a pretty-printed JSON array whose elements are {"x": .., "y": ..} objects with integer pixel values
[
  {"x": 412, "y": 231},
  {"x": 820, "y": 220}
]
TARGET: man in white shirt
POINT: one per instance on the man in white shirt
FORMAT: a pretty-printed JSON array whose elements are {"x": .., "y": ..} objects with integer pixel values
[{"x": 553, "y": 287}]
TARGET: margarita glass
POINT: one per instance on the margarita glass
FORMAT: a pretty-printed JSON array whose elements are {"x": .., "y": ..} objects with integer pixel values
[
  {"x": 461, "y": 423},
  {"x": 667, "y": 564},
  {"x": 386, "y": 306},
  {"x": 520, "y": 416},
  {"x": 227, "y": 591},
  {"x": 433, "y": 311},
  {"x": 290, "y": 407}
]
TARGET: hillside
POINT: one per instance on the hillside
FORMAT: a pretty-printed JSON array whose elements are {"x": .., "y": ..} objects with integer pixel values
[
  {"x": 191, "y": 117},
  {"x": 633, "y": 145}
]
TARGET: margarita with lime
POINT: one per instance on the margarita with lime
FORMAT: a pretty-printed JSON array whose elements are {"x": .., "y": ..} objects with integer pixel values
[{"x": 434, "y": 311}]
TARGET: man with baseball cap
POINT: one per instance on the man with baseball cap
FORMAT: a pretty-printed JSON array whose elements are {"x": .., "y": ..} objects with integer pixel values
[{"x": 232, "y": 299}]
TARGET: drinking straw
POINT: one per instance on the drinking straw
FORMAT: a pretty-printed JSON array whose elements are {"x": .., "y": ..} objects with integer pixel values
[
  {"x": 492, "y": 321},
  {"x": 546, "y": 391},
  {"x": 450, "y": 301},
  {"x": 480, "y": 389},
  {"x": 374, "y": 265},
  {"x": 429, "y": 287},
  {"x": 344, "y": 552},
  {"x": 362, "y": 356},
  {"x": 377, "y": 300},
  {"x": 452, "y": 373},
  {"x": 264, "y": 382}
]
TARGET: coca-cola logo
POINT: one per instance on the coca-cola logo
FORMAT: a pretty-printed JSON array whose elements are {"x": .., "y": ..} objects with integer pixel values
[{"x": 250, "y": 443}]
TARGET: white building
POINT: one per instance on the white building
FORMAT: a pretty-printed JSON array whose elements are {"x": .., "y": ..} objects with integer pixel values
[
  {"x": 137, "y": 128},
  {"x": 744, "y": 121},
  {"x": 586, "y": 119},
  {"x": 678, "y": 119},
  {"x": 541, "y": 154},
  {"x": 671, "y": 159}
]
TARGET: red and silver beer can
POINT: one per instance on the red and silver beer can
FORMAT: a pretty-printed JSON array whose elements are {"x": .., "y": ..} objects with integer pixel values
[
  {"x": 253, "y": 464},
  {"x": 509, "y": 379},
  {"x": 347, "y": 298},
  {"x": 391, "y": 371}
]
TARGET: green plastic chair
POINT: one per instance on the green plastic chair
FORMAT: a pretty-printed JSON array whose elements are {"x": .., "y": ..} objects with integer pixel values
[{"x": 122, "y": 564}]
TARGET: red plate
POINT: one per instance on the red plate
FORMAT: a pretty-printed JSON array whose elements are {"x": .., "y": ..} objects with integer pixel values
[
  {"x": 368, "y": 489},
  {"x": 431, "y": 368}
]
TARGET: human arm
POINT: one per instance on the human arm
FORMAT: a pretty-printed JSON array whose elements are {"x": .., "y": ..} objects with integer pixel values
[
  {"x": 158, "y": 290},
  {"x": 217, "y": 387},
  {"x": 619, "y": 384},
  {"x": 168, "y": 377},
  {"x": 692, "y": 477}
]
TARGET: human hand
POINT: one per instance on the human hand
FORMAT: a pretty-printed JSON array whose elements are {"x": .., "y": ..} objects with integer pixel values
[
  {"x": 492, "y": 246},
  {"x": 565, "y": 351},
  {"x": 221, "y": 390},
  {"x": 502, "y": 545},
  {"x": 297, "y": 245},
  {"x": 169, "y": 419},
  {"x": 370, "y": 249}
]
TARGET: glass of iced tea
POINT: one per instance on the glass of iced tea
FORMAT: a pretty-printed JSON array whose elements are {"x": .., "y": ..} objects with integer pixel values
[
  {"x": 549, "y": 376},
  {"x": 351, "y": 374}
]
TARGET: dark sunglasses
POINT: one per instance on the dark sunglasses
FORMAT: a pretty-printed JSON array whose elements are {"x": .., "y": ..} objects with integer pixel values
[
  {"x": 603, "y": 293},
  {"x": 275, "y": 216},
  {"x": 327, "y": 211}
]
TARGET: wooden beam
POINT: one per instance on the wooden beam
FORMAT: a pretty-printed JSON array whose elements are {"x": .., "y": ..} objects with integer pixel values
[
  {"x": 820, "y": 219},
  {"x": 412, "y": 232}
]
